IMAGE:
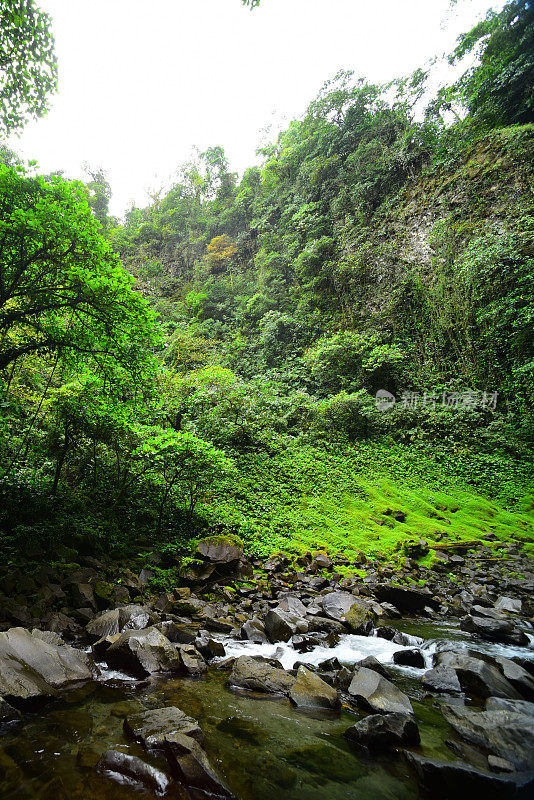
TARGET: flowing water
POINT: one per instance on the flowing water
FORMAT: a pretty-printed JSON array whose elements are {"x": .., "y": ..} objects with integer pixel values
[{"x": 263, "y": 747}]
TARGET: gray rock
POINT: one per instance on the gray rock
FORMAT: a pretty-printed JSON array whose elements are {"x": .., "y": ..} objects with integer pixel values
[
  {"x": 499, "y": 704},
  {"x": 253, "y": 630},
  {"x": 32, "y": 668},
  {"x": 380, "y": 731},
  {"x": 117, "y": 620},
  {"x": 509, "y": 604},
  {"x": 8, "y": 713},
  {"x": 517, "y": 676},
  {"x": 293, "y": 605},
  {"x": 156, "y": 729},
  {"x": 506, "y": 734},
  {"x": 444, "y": 780},
  {"x": 371, "y": 691},
  {"x": 191, "y": 660},
  {"x": 208, "y": 647},
  {"x": 477, "y": 676},
  {"x": 494, "y": 630},
  {"x": 442, "y": 679},
  {"x": 143, "y": 653},
  {"x": 190, "y": 763},
  {"x": 405, "y": 598},
  {"x": 219, "y": 550},
  {"x": 370, "y": 662},
  {"x": 309, "y": 691},
  {"x": 120, "y": 766},
  {"x": 280, "y": 625},
  {"x": 409, "y": 658},
  {"x": 336, "y": 604},
  {"x": 259, "y": 676}
]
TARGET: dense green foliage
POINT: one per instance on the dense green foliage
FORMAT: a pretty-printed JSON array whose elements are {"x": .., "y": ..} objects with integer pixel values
[
  {"x": 28, "y": 68},
  {"x": 233, "y": 386}
]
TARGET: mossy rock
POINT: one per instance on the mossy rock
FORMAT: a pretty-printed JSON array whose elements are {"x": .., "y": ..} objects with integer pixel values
[{"x": 220, "y": 549}]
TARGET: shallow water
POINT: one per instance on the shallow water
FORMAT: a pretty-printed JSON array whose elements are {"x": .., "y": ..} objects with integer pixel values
[{"x": 262, "y": 747}]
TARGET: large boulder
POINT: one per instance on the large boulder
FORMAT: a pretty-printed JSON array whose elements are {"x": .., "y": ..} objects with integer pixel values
[
  {"x": 220, "y": 550},
  {"x": 155, "y": 729},
  {"x": 373, "y": 692},
  {"x": 405, "y": 598},
  {"x": 309, "y": 691},
  {"x": 143, "y": 653},
  {"x": 507, "y": 734},
  {"x": 381, "y": 731},
  {"x": 336, "y": 604},
  {"x": 494, "y": 630},
  {"x": 280, "y": 625},
  {"x": 360, "y": 618},
  {"x": 32, "y": 668},
  {"x": 517, "y": 676},
  {"x": 477, "y": 676},
  {"x": 190, "y": 764},
  {"x": 258, "y": 675},
  {"x": 117, "y": 620},
  {"x": 444, "y": 780},
  {"x": 442, "y": 679},
  {"x": 254, "y": 631},
  {"x": 132, "y": 771}
]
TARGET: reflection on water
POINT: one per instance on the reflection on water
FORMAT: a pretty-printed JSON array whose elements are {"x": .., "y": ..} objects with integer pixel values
[{"x": 263, "y": 748}]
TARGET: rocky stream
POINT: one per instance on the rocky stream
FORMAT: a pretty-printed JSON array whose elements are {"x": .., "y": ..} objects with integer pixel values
[{"x": 270, "y": 679}]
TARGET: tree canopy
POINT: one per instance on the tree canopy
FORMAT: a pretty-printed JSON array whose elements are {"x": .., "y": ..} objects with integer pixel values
[{"x": 28, "y": 67}]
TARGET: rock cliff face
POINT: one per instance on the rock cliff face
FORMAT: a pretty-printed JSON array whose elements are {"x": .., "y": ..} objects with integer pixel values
[{"x": 487, "y": 190}]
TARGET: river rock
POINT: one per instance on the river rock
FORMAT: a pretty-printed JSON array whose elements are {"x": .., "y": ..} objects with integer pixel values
[
  {"x": 117, "y": 620},
  {"x": 191, "y": 660},
  {"x": 155, "y": 729},
  {"x": 500, "y": 704},
  {"x": 8, "y": 713},
  {"x": 375, "y": 693},
  {"x": 477, "y": 676},
  {"x": 190, "y": 764},
  {"x": 253, "y": 630},
  {"x": 208, "y": 647},
  {"x": 259, "y": 676},
  {"x": 517, "y": 676},
  {"x": 336, "y": 604},
  {"x": 510, "y": 604},
  {"x": 293, "y": 605},
  {"x": 32, "y": 668},
  {"x": 280, "y": 625},
  {"x": 444, "y": 780},
  {"x": 370, "y": 662},
  {"x": 507, "y": 734},
  {"x": 409, "y": 658},
  {"x": 121, "y": 767},
  {"x": 442, "y": 679},
  {"x": 380, "y": 731},
  {"x": 360, "y": 618},
  {"x": 405, "y": 598},
  {"x": 309, "y": 691},
  {"x": 144, "y": 652},
  {"x": 494, "y": 630}
]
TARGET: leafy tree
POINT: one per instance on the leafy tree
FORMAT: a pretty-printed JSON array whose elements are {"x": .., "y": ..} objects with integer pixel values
[
  {"x": 62, "y": 289},
  {"x": 499, "y": 89},
  {"x": 181, "y": 463},
  {"x": 27, "y": 63}
]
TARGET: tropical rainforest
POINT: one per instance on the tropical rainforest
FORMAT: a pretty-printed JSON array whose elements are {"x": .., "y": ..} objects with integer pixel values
[{"x": 287, "y": 355}]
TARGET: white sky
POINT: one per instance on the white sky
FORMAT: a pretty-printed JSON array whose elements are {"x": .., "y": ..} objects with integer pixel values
[{"x": 143, "y": 81}]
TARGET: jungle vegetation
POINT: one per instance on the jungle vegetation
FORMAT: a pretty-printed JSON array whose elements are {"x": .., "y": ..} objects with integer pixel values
[{"x": 211, "y": 362}]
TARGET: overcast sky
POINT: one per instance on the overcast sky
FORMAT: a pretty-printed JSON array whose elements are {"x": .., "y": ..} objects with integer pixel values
[{"x": 143, "y": 81}]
